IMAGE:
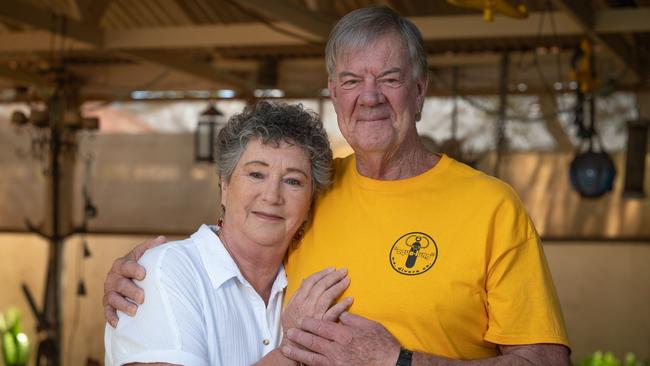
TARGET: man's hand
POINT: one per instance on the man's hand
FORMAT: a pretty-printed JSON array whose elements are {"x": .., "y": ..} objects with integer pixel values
[
  {"x": 315, "y": 298},
  {"x": 120, "y": 293},
  {"x": 355, "y": 341}
]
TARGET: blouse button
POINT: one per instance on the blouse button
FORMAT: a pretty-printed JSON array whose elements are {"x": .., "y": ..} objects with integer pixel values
[{"x": 266, "y": 342}]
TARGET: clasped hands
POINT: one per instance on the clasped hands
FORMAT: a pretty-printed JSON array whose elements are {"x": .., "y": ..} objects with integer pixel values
[{"x": 312, "y": 335}]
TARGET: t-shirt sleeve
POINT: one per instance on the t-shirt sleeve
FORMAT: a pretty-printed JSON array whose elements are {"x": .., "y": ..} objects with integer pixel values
[
  {"x": 522, "y": 303},
  {"x": 169, "y": 326}
]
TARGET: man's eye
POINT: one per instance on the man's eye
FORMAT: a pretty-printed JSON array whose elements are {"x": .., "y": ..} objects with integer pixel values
[
  {"x": 349, "y": 83},
  {"x": 392, "y": 82}
]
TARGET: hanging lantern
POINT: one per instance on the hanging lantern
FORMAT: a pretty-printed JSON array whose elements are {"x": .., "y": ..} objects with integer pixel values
[
  {"x": 592, "y": 173},
  {"x": 206, "y": 131}
]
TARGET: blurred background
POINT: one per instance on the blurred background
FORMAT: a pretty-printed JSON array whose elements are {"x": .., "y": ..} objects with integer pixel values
[{"x": 107, "y": 108}]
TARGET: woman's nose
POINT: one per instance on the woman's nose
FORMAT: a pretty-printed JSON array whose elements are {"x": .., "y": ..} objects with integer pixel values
[{"x": 272, "y": 192}]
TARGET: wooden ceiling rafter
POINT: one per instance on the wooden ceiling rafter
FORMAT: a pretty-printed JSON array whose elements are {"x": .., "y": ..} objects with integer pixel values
[
  {"x": 22, "y": 77},
  {"x": 201, "y": 70},
  {"x": 231, "y": 13},
  {"x": 581, "y": 13},
  {"x": 156, "y": 10},
  {"x": 74, "y": 9},
  {"x": 212, "y": 15},
  {"x": 26, "y": 14},
  {"x": 176, "y": 13},
  {"x": 299, "y": 16},
  {"x": 196, "y": 17},
  {"x": 143, "y": 14},
  {"x": 84, "y": 32},
  {"x": 209, "y": 34},
  {"x": 94, "y": 10},
  {"x": 326, "y": 7},
  {"x": 122, "y": 16}
]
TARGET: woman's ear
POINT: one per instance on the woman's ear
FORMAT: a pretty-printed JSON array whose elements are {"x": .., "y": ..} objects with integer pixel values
[{"x": 223, "y": 187}]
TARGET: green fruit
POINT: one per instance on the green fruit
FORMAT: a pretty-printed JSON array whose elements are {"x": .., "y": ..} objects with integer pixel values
[
  {"x": 3, "y": 324},
  {"x": 9, "y": 349},
  {"x": 12, "y": 318},
  {"x": 23, "y": 348}
]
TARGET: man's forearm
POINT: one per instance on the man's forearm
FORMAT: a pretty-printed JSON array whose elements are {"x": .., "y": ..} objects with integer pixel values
[
  {"x": 421, "y": 359},
  {"x": 528, "y": 355}
]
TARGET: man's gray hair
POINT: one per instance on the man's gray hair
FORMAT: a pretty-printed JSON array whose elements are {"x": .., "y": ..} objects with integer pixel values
[
  {"x": 360, "y": 28},
  {"x": 274, "y": 123}
]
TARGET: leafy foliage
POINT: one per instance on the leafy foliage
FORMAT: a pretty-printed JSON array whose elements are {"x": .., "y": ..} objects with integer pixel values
[
  {"x": 600, "y": 358},
  {"x": 15, "y": 344}
]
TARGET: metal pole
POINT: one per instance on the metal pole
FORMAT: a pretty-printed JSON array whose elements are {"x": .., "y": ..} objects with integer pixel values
[
  {"x": 501, "y": 144},
  {"x": 49, "y": 350}
]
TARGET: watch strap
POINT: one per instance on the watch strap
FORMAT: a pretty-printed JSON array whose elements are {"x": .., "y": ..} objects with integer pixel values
[{"x": 405, "y": 357}]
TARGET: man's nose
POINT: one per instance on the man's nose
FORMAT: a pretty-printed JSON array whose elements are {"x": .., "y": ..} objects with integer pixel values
[{"x": 371, "y": 94}]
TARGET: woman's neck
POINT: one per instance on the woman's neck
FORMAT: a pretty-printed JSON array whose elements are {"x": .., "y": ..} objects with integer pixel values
[{"x": 258, "y": 264}]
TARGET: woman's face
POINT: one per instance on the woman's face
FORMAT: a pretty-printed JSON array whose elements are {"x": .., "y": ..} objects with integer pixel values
[{"x": 269, "y": 194}]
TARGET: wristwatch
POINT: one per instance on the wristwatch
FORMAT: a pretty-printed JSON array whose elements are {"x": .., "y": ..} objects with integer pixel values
[{"x": 405, "y": 357}]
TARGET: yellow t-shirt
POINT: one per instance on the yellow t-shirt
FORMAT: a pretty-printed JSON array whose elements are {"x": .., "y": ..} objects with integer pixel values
[{"x": 448, "y": 261}]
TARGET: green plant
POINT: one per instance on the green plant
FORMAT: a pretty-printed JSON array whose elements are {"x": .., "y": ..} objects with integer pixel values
[
  {"x": 600, "y": 358},
  {"x": 15, "y": 344}
]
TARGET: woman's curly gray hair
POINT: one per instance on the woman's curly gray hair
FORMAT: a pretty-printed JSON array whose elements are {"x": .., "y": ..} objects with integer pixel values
[{"x": 274, "y": 123}]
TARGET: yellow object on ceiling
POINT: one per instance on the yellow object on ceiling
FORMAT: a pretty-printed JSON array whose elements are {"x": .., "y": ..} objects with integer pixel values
[{"x": 489, "y": 7}]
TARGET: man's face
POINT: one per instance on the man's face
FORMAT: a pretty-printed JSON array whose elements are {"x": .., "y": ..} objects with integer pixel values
[{"x": 376, "y": 97}]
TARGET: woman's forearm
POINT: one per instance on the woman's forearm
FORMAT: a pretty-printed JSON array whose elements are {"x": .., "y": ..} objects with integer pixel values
[{"x": 276, "y": 358}]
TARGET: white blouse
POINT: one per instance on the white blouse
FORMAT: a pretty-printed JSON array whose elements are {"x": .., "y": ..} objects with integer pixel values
[{"x": 198, "y": 309}]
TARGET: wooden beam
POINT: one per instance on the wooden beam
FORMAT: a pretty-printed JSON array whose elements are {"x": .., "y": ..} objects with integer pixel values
[
  {"x": 237, "y": 35},
  {"x": 74, "y": 8},
  {"x": 35, "y": 41},
  {"x": 290, "y": 12},
  {"x": 24, "y": 13},
  {"x": 200, "y": 70},
  {"x": 582, "y": 14},
  {"x": 256, "y": 34},
  {"x": 21, "y": 77},
  {"x": 94, "y": 10},
  {"x": 473, "y": 26},
  {"x": 622, "y": 21}
]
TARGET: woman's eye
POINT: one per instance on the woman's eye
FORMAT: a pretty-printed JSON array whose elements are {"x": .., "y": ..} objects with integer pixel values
[
  {"x": 294, "y": 182},
  {"x": 256, "y": 175}
]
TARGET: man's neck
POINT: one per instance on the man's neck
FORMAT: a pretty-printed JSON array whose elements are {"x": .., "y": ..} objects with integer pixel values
[{"x": 396, "y": 166}]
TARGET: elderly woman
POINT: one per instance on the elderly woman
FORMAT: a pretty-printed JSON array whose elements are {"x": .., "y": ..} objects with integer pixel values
[{"x": 216, "y": 297}]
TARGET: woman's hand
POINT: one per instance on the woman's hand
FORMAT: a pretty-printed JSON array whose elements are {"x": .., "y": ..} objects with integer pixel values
[{"x": 316, "y": 296}]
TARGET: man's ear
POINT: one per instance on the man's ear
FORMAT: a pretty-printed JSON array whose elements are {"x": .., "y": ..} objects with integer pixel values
[
  {"x": 422, "y": 86},
  {"x": 331, "y": 87}
]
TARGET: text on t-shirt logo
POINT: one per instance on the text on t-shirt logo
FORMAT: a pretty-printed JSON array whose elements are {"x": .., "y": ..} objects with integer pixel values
[{"x": 413, "y": 253}]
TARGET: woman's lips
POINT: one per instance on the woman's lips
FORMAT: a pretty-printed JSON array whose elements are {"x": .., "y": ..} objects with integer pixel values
[{"x": 267, "y": 216}]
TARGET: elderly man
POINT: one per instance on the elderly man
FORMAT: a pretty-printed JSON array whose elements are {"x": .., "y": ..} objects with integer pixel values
[{"x": 446, "y": 266}]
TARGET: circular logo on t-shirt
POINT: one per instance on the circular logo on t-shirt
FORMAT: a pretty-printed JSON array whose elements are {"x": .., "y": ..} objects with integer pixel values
[{"x": 413, "y": 254}]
